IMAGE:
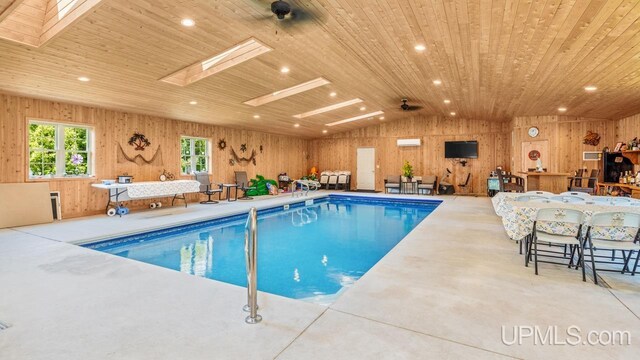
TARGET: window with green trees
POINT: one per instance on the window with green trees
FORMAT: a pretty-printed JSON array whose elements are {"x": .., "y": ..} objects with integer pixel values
[
  {"x": 194, "y": 155},
  {"x": 57, "y": 150}
]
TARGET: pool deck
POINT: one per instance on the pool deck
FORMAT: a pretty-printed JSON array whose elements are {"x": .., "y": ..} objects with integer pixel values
[{"x": 444, "y": 291}]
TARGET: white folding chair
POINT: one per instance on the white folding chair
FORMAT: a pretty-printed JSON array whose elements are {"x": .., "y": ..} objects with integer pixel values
[
  {"x": 571, "y": 199},
  {"x": 333, "y": 181},
  {"x": 343, "y": 180},
  {"x": 324, "y": 179},
  {"x": 556, "y": 227},
  {"x": 614, "y": 231},
  {"x": 538, "y": 192},
  {"x": 613, "y": 200},
  {"x": 576, "y": 193},
  {"x": 525, "y": 198}
]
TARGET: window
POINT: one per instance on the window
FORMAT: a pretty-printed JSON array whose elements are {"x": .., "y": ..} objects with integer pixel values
[
  {"x": 57, "y": 150},
  {"x": 195, "y": 155}
]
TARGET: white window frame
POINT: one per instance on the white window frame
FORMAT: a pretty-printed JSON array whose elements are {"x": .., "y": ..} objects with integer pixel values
[
  {"x": 61, "y": 152},
  {"x": 192, "y": 149}
]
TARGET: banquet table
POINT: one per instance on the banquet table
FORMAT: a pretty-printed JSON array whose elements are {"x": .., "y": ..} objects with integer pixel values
[
  {"x": 148, "y": 190},
  {"x": 518, "y": 216}
]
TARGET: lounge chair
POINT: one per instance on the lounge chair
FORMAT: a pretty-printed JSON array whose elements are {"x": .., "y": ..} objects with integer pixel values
[
  {"x": 427, "y": 184},
  {"x": 392, "y": 182},
  {"x": 243, "y": 184},
  {"x": 206, "y": 188}
]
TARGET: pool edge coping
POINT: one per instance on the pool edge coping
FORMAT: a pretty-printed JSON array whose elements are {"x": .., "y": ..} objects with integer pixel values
[{"x": 221, "y": 217}]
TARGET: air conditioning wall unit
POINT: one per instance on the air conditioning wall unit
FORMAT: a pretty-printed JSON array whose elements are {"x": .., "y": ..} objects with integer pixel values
[
  {"x": 409, "y": 142},
  {"x": 591, "y": 155}
]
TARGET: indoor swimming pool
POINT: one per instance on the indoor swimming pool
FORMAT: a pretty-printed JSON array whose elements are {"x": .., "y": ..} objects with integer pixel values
[{"x": 309, "y": 250}]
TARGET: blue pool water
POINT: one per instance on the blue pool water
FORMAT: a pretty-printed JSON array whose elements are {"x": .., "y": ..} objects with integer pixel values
[{"x": 305, "y": 252}]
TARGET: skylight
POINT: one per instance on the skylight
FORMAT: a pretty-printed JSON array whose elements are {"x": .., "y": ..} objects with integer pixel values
[
  {"x": 64, "y": 6},
  {"x": 238, "y": 54},
  {"x": 356, "y": 118},
  {"x": 281, "y": 94},
  {"x": 327, "y": 108}
]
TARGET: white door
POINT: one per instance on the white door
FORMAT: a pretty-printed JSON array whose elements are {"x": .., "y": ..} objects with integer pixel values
[{"x": 366, "y": 169}]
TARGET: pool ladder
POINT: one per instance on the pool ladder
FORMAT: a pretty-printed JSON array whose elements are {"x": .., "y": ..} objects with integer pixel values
[
  {"x": 251, "y": 257},
  {"x": 304, "y": 189}
]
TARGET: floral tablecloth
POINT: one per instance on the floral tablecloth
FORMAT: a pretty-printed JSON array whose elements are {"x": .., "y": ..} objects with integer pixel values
[
  {"x": 162, "y": 188},
  {"x": 151, "y": 189},
  {"x": 518, "y": 217}
]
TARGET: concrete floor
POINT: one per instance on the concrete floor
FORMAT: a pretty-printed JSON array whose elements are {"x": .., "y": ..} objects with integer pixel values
[{"x": 445, "y": 291}]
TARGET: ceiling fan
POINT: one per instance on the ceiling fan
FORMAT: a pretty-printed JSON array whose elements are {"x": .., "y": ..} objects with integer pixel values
[
  {"x": 407, "y": 107},
  {"x": 287, "y": 14}
]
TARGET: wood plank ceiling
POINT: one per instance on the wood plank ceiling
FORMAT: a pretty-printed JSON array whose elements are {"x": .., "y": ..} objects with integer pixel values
[{"x": 496, "y": 59}]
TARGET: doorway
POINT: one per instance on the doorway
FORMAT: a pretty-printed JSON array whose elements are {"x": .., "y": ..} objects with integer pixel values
[
  {"x": 531, "y": 150},
  {"x": 366, "y": 169}
]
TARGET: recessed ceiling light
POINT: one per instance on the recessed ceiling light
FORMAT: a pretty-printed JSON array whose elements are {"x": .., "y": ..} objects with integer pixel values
[
  {"x": 187, "y": 22},
  {"x": 381, "y": 118},
  {"x": 284, "y": 70},
  {"x": 453, "y": 113},
  {"x": 84, "y": 79},
  {"x": 333, "y": 94},
  {"x": 447, "y": 101},
  {"x": 256, "y": 116},
  {"x": 324, "y": 131},
  {"x": 437, "y": 82},
  {"x": 363, "y": 108},
  {"x": 590, "y": 88},
  {"x": 296, "y": 125},
  {"x": 562, "y": 109},
  {"x": 420, "y": 47},
  {"x": 193, "y": 102}
]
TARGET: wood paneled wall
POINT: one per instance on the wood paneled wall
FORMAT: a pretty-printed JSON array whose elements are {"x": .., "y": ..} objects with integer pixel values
[
  {"x": 565, "y": 135},
  {"x": 338, "y": 152},
  {"x": 280, "y": 153},
  {"x": 627, "y": 128}
]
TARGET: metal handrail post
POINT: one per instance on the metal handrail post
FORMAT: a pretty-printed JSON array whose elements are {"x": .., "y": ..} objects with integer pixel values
[{"x": 251, "y": 257}]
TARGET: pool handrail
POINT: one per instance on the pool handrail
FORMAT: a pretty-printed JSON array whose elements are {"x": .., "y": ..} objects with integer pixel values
[{"x": 251, "y": 257}]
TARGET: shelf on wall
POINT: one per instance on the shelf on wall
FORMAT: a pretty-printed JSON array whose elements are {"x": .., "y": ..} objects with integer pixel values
[{"x": 632, "y": 155}]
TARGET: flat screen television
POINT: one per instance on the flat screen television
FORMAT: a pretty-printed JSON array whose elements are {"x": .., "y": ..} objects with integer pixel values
[{"x": 461, "y": 149}]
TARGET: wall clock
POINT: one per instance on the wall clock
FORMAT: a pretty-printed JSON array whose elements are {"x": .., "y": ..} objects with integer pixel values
[{"x": 533, "y": 131}]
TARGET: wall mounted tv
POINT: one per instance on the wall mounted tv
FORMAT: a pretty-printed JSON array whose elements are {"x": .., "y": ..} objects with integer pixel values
[{"x": 461, "y": 149}]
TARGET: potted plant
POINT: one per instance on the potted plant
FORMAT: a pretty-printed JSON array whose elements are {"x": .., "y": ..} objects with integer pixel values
[{"x": 407, "y": 170}]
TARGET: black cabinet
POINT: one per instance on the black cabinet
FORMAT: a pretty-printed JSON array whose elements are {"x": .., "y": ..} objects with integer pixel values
[{"x": 614, "y": 165}]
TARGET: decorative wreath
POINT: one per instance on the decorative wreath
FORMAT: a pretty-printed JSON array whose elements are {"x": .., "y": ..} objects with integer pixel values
[
  {"x": 534, "y": 155},
  {"x": 222, "y": 144}
]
